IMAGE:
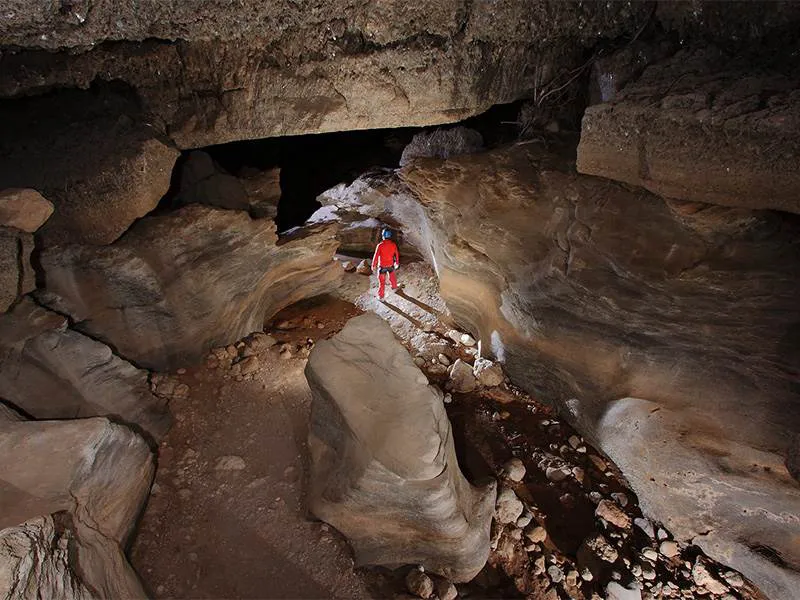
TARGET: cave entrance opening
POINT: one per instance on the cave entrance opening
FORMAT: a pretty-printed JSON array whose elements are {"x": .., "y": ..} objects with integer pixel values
[{"x": 281, "y": 177}]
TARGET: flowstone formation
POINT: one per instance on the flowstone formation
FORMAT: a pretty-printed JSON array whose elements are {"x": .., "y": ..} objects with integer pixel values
[{"x": 384, "y": 470}]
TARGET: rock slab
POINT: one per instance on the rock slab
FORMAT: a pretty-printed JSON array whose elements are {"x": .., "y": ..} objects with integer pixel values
[
  {"x": 53, "y": 372},
  {"x": 78, "y": 485},
  {"x": 384, "y": 470},
  {"x": 24, "y": 209},
  {"x": 703, "y": 128}
]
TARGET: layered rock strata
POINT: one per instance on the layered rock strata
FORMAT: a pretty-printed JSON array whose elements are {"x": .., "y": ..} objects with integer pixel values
[
  {"x": 701, "y": 127},
  {"x": 384, "y": 470}
]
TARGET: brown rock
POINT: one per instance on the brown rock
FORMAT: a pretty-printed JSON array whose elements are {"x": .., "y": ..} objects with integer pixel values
[
  {"x": 419, "y": 584},
  {"x": 699, "y": 263},
  {"x": 24, "y": 209},
  {"x": 336, "y": 66},
  {"x": 611, "y": 512},
  {"x": 679, "y": 131},
  {"x": 53, "y": 372},
  {"x": 176, "y": 285},
  {"x": 16, "y": 273},
  {"x": 91, "y": 155},
  {"x": 96, "y": 475},
  {"x": 381, "y": 447}
]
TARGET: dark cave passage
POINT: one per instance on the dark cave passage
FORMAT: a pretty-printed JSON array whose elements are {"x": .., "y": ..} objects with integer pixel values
[{"x": 311, "y": 164}]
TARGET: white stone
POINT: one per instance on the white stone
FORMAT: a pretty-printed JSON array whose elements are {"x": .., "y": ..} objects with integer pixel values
[
  {"x": 230, "y": 463},
  {"x": 514, "y": 469},
  {"x": 508, "y": 507}
]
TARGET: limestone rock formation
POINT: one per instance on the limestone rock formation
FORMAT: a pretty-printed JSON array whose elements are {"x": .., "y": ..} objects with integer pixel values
[
  {"x": 16, "y": 273},
  {"x": 71, "y": 491},
  {"x": 52, "y": 372},
  {"x": 214, "y": 73},
  {"x": 588, "y": 291},
  {"x": 704, "y": 128},
  {"x": 35, "y": 562},
  {"x": 89, "y": 154},
  {"x": 24, "y": 209},
  {"x": 176, "y": 285},
  {"x": 203, "y": 181},
  {"x": 384, "y": 470},
  {"x": 442, "y": 143},
  {"x": 659, "y": 449}
]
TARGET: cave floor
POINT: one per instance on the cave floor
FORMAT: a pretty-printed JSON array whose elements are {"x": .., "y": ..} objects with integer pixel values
[{"x": 227, "y": 517}]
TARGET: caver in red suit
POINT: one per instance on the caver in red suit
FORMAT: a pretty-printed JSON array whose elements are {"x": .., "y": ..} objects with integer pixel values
[{"x": 386, "y": 260}]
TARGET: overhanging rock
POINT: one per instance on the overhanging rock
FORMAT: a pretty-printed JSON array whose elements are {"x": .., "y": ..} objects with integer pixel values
[
  {"x": 384, "y": 469},
  {"x": 700, "y": 127}
]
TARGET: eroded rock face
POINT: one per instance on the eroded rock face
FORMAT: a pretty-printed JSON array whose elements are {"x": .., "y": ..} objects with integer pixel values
[
  {"x": 179, "y": 284},
  {"x": 211, "y": 73},
  {"x": 52, "y": 372},
  {"x": 704, "y": 128},
  {"x": 384, "y": 470},
  {"x": 747, "y": 525},
  {"x": 588, "y": 291},
  {"x": 71, "y": 491}
]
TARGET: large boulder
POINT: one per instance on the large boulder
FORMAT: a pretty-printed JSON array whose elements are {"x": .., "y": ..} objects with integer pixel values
[
  {"x": 72, "y": 491},
  {"x": 24, "y": 209},
  {"x": 384, "y": 470},
  {"x": 178, "y": 284},
  {"x": 91, "y": 156},
  {"x": 588, "y": 291},
  {"x": 704, "y": 128},
  {"x": 202, "y": 181},
  {"x": 16, "y": 272},
  {"x": 53, "y": 372}
]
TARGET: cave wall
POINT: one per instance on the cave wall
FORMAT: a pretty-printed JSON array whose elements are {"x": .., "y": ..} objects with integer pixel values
[{"x": 665, "y": 331}]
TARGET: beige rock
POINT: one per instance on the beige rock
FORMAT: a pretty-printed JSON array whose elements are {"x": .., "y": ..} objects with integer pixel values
[
  {"x": 514, "y": 469},
  {"x": 381, "y": 447},
  {"x": 462, "y": 379},
  {"x": 508, "y": 507},
  {"x": 96, "y": 475},
  {"x": 488, "y": 373},
  {"x": 24, "y": 209},
  {"x": 53, "y": 372},
  {"x": 610, "y": 511},
  {"x": 176, "y": 285}
]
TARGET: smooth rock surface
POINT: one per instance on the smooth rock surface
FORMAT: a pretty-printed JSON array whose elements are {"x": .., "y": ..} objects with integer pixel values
[
  {"x": 582, "y": 288},
  {"x": 53, "y": 372},
  {"x": 95, "y": 475},
  {"x": 384, "y": 470},
  {"x": 24, "y": 209},
  {"x": 641, "y": 437},
  {"x": 179, "y": 284},
  {"x": 701, "y": 127}
]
